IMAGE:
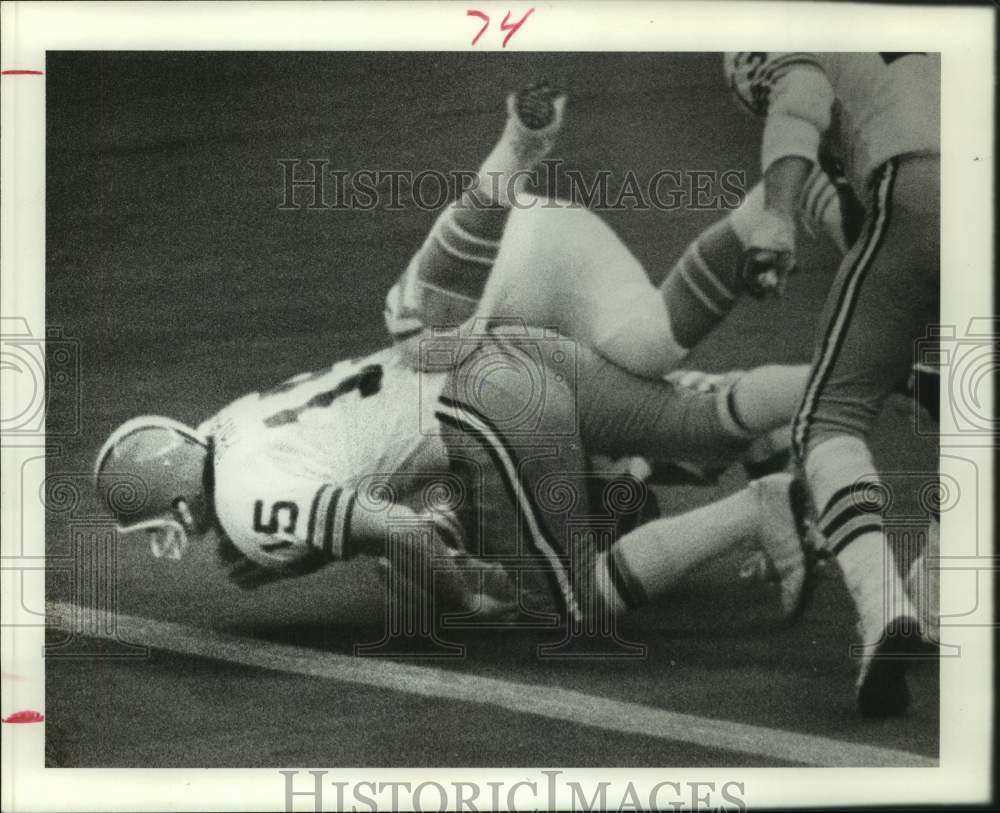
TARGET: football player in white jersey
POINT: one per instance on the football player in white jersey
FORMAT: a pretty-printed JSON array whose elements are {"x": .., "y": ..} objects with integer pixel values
[
  {"x": 476, "y": 467},
  {"x": 880, "y": 114}
]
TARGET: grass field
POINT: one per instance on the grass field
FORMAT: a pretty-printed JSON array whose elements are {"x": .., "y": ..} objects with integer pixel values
[{"x": 170, "y": 262}]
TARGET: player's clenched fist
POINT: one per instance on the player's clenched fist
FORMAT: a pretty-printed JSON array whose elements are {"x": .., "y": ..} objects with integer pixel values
[{"x": 770, "y": 257}]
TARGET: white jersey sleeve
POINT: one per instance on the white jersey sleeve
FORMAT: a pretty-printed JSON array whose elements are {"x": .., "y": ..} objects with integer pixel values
[
  {"x": 882, "y": 104},
  {"x": 792, "y": 91},
  {"x": 276, "y": 520}
]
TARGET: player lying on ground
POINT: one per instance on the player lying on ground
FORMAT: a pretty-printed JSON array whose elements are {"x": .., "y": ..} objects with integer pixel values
[
  {"x": 880, "y": 114},
  {"x": 501, "y": 252},
  {"x": 477, "y": 471}
]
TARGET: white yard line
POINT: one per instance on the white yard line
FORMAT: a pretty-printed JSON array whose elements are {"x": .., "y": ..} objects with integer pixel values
[{"x": 545, "y": 701}]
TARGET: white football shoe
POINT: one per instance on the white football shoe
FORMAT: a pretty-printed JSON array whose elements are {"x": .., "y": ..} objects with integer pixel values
[{"x": 784, "y": 537}]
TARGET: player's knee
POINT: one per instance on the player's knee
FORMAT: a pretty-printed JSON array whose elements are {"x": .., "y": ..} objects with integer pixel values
[{"x": 639, "y": 338}]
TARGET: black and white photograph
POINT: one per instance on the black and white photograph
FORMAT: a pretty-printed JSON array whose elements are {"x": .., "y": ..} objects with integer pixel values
[{"x": 485, "y": 406}]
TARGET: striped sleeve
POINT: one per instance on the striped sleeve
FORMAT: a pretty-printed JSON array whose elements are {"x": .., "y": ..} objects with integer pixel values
[
  {"x": 753, "y": 75},
  {"x": 329, "y": 526}
]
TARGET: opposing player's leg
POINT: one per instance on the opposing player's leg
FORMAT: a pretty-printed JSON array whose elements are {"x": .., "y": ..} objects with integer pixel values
[
  {"x": 885, "y": 292},
  {"x": 444, "y": 281},
  {"x": 525, "y": 460},
  {"x": 622, "y": 414},
  {"x": 767, "y": 515}
]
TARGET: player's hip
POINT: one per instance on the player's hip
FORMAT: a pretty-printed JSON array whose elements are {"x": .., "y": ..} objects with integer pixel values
[
  {"x": 916, "y": 168},
  {"x": 902, "y": 220},
  {"x": 515, "y": 379},
  {"x": 562, "y": 265}
]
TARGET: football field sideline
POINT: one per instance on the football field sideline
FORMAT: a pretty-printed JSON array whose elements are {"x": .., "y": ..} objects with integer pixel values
[{"x": 549, "y": 702}]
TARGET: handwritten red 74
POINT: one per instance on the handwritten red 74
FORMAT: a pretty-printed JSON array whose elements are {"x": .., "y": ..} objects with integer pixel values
[{"x": 506, "y": 25}]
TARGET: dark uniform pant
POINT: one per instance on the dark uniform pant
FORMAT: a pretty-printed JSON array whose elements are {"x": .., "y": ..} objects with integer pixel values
[
  {"x": 885, "y": 292},
  {"x": 512, "y": 422}
]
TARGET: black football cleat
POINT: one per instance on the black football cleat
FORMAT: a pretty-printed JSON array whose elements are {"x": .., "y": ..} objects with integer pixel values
[
  {"x": 537, "y": 106},
  {"x": 882, "y": 688}
]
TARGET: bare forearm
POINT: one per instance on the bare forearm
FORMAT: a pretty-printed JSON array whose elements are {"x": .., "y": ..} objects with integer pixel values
[{"x": 784, "y": 181}]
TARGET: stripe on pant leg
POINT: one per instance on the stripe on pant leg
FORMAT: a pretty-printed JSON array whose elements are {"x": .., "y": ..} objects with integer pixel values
[
  {"x": 558, "y": 585},
  {"x": 841, "y": 318},
  {"x": 472, "y": 422}
]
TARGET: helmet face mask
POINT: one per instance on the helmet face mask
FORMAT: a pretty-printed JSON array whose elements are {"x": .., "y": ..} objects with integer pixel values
[{"x": 152, "y": 475}]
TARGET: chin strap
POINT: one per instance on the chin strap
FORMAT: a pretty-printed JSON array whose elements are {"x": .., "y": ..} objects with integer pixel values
[
  {"x": 167, "y": 536},
  {"x": 168, "y": 541}
]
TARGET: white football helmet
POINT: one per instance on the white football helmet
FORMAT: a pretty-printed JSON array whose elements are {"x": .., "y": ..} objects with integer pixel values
[{"x": 154, "y": 474}]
